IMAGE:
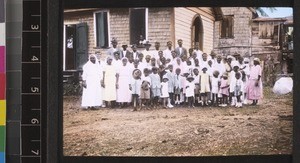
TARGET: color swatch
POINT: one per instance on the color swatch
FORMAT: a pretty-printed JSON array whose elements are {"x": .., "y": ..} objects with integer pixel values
[{"x": 2, "y": 82}]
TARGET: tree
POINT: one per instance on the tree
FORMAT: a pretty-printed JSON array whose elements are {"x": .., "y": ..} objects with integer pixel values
[{"x": 262, "y": 12}]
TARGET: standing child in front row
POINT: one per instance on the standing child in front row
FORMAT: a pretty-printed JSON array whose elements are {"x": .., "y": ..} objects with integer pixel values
[
  {"x": 155, "y": 86},
  {"x": 238, "y": 89},
  {"x": 197, "y": 86},
  {"x": 135, "y": 87},
  {"x": 215, "y": 87},
  {"x": 164, "y": 91},
  {"x": 145, "y": 89},
  {"x": 204, "y": 86},
  {"x": 177, "y": 85},
  {"x": 190, "y": 88},
  {"x": 224, "y": 90}
]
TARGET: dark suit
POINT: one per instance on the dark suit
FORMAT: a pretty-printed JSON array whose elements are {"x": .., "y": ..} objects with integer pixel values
[
  {"x": 135, "y": 55},
  {"x": 183, "y": 52},
  {"x": 126, "y": 54}
]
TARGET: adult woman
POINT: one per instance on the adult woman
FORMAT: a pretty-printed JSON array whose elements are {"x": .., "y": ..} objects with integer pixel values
[
  {"x": 91, "y": 76},
  {"x": 254, "y": 88},
  {"x": 123, "y": 97},
  {"x": 110, "y": 83}
]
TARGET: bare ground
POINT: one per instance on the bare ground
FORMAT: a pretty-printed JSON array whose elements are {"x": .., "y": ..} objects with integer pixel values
[{"x": 205, "y": 131}]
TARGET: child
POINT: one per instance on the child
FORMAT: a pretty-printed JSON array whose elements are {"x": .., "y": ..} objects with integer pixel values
[
  {"x": 164, "y": 91},
  {"x": 232, "y": 80},
  {"x": 155, "y": 86},
  {"x": 177, "y": 85},
  {"x": 197, "y": 85},
  {"x": 224, "y": 90},
  {"x": 215, "y": 87},
  {"x": 238, "y": 89},
  {"x": 204, "y": 86},
  {"x": 145, "y": 89},
  {"x": 171, "y": 83},
  {"x": 135, "y": 87},
  {"x": 190, "y": 88},
  {"x": 183, "y": 84}
]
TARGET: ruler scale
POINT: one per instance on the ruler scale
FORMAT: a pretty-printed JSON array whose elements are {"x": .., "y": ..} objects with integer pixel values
[{"x": 31, "y": 121}]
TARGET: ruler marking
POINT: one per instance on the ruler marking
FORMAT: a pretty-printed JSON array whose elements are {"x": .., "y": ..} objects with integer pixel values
[
  {"x": 30, "y": 156},
  {"x": 31, "y": 93},
  {"x": 31, "y": 62},
  {"x": 31, "y": 31},
  {"x": 31, "y": 125}
]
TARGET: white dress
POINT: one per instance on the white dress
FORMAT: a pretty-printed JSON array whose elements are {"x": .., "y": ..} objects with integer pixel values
[
  {"x": 215, "y": 85},
  {"x": 92, "y": 95},
  {"x": 124, "y": 81},
  {"x": 164, "y": 89},
  {"x": 190, "y": 89}
]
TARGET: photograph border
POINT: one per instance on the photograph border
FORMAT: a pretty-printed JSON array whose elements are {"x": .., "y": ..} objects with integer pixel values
[{"x": 53, "y": 100}]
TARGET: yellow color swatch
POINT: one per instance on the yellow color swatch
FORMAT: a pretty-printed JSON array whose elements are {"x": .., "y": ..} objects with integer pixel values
[{"x": 2, "y": 112}]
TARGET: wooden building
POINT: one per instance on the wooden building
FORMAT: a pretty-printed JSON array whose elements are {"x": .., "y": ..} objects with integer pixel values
[{"x": 89, "y": 30}]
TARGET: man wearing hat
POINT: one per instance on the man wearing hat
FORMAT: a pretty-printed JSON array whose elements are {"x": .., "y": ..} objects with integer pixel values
[
  {"x": 168, "y": 51},
  {"x": 180, "y": 51},
  {"x": 124, "y": 52},
  {"x": 254, "y": 89},
  {"x": 146, "y": 51},
  {"x": 114, "y": 48},
  {"x": 213, "y": 56}
]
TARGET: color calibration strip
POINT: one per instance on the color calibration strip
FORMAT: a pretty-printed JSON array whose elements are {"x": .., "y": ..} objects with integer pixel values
[{"x": 2, "y": 82}]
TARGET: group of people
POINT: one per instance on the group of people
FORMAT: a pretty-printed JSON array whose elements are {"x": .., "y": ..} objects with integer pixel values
[{"x": 170, "y": 77}]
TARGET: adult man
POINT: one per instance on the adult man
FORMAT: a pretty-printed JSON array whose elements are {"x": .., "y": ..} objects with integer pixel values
[
  {"x": 146, "y": 52},
  {"x": 155, "y": 52},
  {"x": 114, "y": 48},
  {"x": 134, "y": 53},
  {"x": 198, "y": 51},
  {"x": 180, "y": 51},
  {"x": 168, "y": 51},
  {"x": 91, "y": 76},
  {"x": 124, "y": 52}
]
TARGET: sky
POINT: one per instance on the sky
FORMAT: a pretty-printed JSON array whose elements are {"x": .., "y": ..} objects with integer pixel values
[{"x": 280, "y": 12}]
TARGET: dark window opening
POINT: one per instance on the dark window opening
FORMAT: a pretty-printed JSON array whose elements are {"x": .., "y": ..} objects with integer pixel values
[
  {"x": 102, "y": 30},
  {"x": 227, "y": 27},
  {"x": 137, "y": 25}
]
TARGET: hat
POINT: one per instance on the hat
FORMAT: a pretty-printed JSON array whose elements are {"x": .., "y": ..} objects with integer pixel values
[
  {"x": 169, "y": 42},
  {"x": 246, "y": 60},
  {"x": 114, "y": 40},
  {"x": 204, "y": 68},
  {"x": 116, "y": 52},
  {"x": 216, "y": 72},
  {"x": 230, "y": 57},
  {"x": 165, "y": 77},
  {"x": 133, "y": 46},
  {"x": 190, "y": 77},
  {"x": 146, "y": 42},
  {"x": 109, "y": 58},
  {"x": 212, "y": 53},
  {"x": 225, "y": 74},
  {"x": 256, "y": 59},
  {"x": 157, "y": 43},
  {"x": 124, "y": 44},
  {"x": 235, "y": 54},
  {"x": 179, "y": 40}
]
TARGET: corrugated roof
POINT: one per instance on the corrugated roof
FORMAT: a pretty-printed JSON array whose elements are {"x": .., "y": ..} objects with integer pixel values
[{"x": 262, "y": 19}]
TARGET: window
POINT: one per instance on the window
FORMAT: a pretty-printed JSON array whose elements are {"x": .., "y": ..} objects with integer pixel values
[
  {"x": 266, "y": 30},
  {"x": 227, "y": 27},
  {"x": 138, "y": 25},
  {"x": 101, "y": 29}
]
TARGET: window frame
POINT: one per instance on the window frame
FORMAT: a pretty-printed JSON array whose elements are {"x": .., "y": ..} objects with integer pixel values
[
  {"x": 146, "y": 21},
  {"x": 95, "y": 28},
  {"x": 232, "y": 28},
  {"x": 261, "y": 36}
]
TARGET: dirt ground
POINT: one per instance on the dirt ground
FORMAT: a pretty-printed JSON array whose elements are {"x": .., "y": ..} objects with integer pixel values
[{"x": 206, "y": 131}]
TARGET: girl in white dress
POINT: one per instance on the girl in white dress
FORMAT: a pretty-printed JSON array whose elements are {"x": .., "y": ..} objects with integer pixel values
[{"x": 164, "y": 91}]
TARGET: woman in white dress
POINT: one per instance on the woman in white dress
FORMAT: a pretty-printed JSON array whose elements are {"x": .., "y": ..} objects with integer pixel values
[
  {"x": 123, "y": 95},
  {"x": 91, "y": 76},
  {"x": 110, "y": 78}
]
